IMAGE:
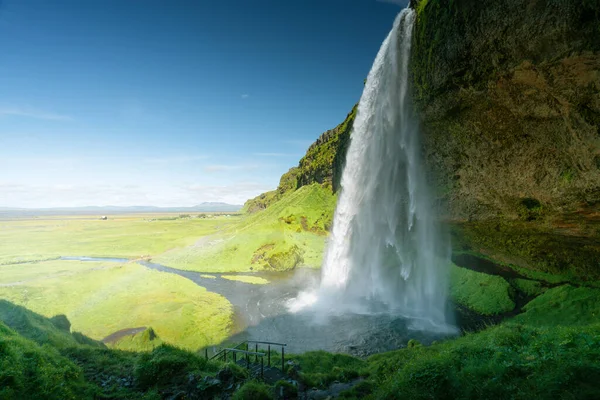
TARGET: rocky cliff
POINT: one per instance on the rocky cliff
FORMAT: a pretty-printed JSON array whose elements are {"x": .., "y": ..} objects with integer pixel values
[
  {"x": 323, "y": 164},
  {"x": 508, "y": 93}
]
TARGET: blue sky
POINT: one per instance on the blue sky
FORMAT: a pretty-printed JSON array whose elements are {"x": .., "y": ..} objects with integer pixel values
[{"x": 172, "y": 103}]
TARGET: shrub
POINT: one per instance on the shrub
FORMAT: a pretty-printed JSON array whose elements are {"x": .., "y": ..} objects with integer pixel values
[
  {"x": 253, "y": 391},
  {"x": 166, "y": 365}
]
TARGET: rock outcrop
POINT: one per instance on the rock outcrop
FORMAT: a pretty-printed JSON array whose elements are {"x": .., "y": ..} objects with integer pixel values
[{"x": 508, "y": 93}]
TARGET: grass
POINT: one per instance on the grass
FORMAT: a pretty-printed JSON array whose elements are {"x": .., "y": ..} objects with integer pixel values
[
  {"x": 100, "y": 299},
  {"x": 564, "y": 305},
  {"x": 529, "y": 287},
  {"x": 485, "y": 294},
  {"x": 254, "y": 391},
  {"x": 320, "y": 368},
  {"x": 550, "y": 351},
  {"x": 143, "y": 341},
  {"x": 255, "y": 280},
  {"x": 506, "y": 362},
  {"x": 289, "y": 233},
  {"x": 123, "y": 236},
  {"x": 28, "y": 370}
]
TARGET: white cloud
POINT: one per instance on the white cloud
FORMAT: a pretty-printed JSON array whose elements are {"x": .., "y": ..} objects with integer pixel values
[
  {"x": 27, "y": 112},
  {"x": 245, "y": 96}
]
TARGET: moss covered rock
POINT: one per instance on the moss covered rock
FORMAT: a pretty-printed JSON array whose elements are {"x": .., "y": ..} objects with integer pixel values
[{"x": 508, "y": 93}]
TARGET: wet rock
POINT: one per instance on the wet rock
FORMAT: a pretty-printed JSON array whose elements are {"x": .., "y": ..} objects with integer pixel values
[{"x": 225, "y": 375}]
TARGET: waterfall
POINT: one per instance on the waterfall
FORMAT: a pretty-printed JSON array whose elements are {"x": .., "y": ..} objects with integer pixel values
[{"x": 385, "y": 253}]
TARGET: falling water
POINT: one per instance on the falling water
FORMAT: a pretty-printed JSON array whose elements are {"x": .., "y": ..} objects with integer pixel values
[{"x": 385, "y": 253}]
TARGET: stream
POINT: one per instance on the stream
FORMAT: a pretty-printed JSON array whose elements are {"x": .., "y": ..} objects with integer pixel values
[{"x": 261, "y": 313}]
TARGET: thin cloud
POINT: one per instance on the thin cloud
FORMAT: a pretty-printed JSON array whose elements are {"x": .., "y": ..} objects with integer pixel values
[
  {"x": 236, "y": 193},
  {"x": 175, "y": 159},
  {"x": 245, "y": 96},
  {"x": 274, "y": 155},
  {"x": 223, "y": 167},
  {"x": 33, "y": 113}
]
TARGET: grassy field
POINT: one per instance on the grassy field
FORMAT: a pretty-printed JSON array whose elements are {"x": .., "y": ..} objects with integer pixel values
[
  {"x": 102, "y": 298},
  {"x": 125, "y": 236},
  {"x": 485, "y": 294},
  {"x": 290, "y": 233}
]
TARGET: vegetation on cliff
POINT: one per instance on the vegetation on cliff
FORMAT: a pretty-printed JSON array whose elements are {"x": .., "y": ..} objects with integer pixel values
[
  {"x": 323, "y": 163},
  {"x": 288, "y": 234},
  {"x": 509, "y": 98}
]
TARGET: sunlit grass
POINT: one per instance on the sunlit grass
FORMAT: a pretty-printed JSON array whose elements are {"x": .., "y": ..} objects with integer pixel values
[
  {"x": 255, "y": 280},
  {"x": 291, "y": 232},
  {"x": 100, "y": 299},
  {"x": 122, "y": 236},
  {"x": 485, "y": 294}
]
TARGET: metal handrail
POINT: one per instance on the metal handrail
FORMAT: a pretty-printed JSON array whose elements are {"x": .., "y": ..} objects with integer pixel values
[{"x": 256, "y": 354}]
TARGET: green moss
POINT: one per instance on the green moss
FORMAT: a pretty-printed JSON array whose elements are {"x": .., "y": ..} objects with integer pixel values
[
  {"x": 61, "y": 322},
  {"x": 529, "y": 287},
  {"x": 168, "y": 366},
  {"x": 564, "y": 305},
  {"x": 253, "y": 391},
  {"x": 286, "y": 390},
  {"x": 508, "y": 361},
  {"x": 531, "y": 246},
  {"x": 482, "y": 293},
  {"x": 31, "y": 371},
  {"x": 319, "y": 368},
  {"x": 288, "y": 234},
  {"x": 40, "y": 329},
  {"x": 325, "y": 159},
  {"x": 146, "y": 340}
]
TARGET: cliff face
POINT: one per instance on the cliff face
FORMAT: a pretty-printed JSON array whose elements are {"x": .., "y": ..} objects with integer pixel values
[
  {"x": 323, "y": 164},
  {"x": 508, "y": 93}
]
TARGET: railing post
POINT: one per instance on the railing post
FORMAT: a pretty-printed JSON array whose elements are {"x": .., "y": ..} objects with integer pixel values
[
  {"x": 206, "y": 352},
  {"x": 234, "y": 357},
  {"x": 282, "y": 357},
  {"x": 225, "y": 356},
  {"x": 269, "y": 363},
  {"x": 247, "y": 361},
  {"x": 256, "y": 351},
  {"x": 262, "y": 368}
]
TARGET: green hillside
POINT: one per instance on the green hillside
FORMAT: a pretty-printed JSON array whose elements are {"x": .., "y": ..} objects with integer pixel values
[{"x": 288, "y": 234}]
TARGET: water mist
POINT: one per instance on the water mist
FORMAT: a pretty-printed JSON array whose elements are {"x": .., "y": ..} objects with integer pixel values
[{"x": 385, "y": 253}]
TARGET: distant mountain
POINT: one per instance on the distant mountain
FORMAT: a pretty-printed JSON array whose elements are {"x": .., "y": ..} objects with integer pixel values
[{"x": 202, "y": 207}]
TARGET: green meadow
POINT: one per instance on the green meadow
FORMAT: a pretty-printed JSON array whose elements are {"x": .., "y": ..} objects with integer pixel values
[
  {"x": 290, "y": 233},
  {"x": 127, "y": 236},
  {"x": 102, "y": 298}
]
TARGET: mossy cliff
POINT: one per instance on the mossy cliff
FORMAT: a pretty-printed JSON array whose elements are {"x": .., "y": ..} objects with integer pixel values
[
  {"x": 323, "y": 164},
  {"x": 508, "y": 93}
]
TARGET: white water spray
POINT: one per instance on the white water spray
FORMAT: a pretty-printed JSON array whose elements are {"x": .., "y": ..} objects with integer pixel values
[{"x": 385, "y": 253}]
